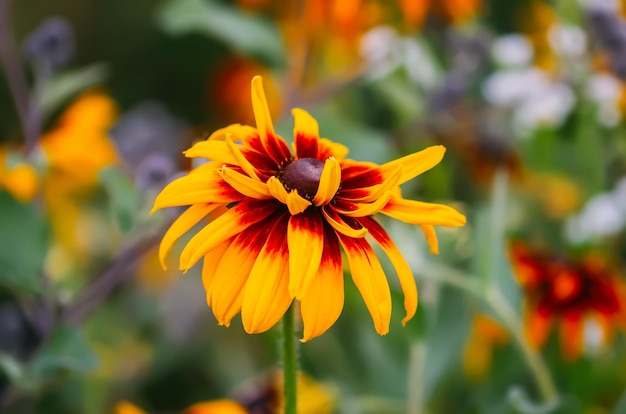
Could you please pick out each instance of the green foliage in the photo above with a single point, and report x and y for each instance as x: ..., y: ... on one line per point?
x: 23, y: 245
x: 245, y: 33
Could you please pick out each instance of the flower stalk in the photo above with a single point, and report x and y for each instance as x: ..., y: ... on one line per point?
x: 290, y: 362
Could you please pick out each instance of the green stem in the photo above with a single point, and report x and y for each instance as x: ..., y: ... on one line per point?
x: 290, y: 363
x: 507, y: 315
x: 533, y: 359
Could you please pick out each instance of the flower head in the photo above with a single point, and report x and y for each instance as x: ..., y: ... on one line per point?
x: 288, y: 217
x: 568, y: 292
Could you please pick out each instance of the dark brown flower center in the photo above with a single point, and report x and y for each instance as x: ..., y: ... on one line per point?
x: 303, y: 175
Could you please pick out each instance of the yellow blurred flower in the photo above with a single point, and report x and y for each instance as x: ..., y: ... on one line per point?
x: 79, y: 147
x: 478, y: 352
x: 125, y: 407
x: 313, y: 397
x: 535, y: 21
x: 19, y: 179
x: 558, y: 194
x: 151, y: 276
x: 216, y: 407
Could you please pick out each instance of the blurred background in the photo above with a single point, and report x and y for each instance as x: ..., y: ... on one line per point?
x: 524, y: 309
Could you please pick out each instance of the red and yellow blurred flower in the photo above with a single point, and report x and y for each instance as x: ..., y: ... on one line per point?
x: 568, y: 292
x: 288, y: 217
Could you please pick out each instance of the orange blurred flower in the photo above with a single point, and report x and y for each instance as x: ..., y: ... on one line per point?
x: 536, y: 19
x: 79, y: 147
x: 17, y: 177
x: 125, y: 407
x: 478, y: 351
x: 569, y: 292
x: 228, y: 89
x: 216, y: 407
x: 558, y: 194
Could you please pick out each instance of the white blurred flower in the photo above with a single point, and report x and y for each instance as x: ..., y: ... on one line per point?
x: 605, y: 90
x: 603, y: 215
x: 612, y: 5
x: 419, y: 63
x: 512, y: 50
x: 550, y: 107
x: 593, y: 336
x: 377, y: 44
x: 567, y: 40
x: 535, y: 98
x: 511, y: 87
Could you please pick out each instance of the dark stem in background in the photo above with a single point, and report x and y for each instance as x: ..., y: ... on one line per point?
x: 116, y: 273
x: 15, y: 76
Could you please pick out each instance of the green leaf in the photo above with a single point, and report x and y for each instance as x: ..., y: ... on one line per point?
x: 22, y: 245
x: 68, y: 84
x: 11, y: 368
x: 620, y: 407
x: 123, y: 197
x: 244, y: 32
x: 66, y: 350
x: 446, y: 338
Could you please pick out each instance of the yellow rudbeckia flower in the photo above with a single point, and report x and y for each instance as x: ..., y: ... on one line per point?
x: 289, y: 216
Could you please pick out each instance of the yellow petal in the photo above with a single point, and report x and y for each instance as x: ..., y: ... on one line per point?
x: 296, y: 203
x: 209, y: 266
x: 306, y: 134
x: 261, y: 109
x: 232, y: 222
x: 239, y: 157
x: 239, y: 132
x: 328, y: 148
x: 266, y: 294
x: 277, y: 189
x: 405, y: 276
x: 431, y: 238
x: 369, y: 278
x: 245, y: 185
x: 233, y: 270
x: 181, y: 225
x: 202, y: 186
x: 415, y: 164
x: 274, y: 146
x: 305, y: 237
x: 329, y: 182
x: 374, y: 192
x: 323, y: 301
x: 417, y: 212
x: 340, y: 225
x: 212, y: 150
x: 365, y: 209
